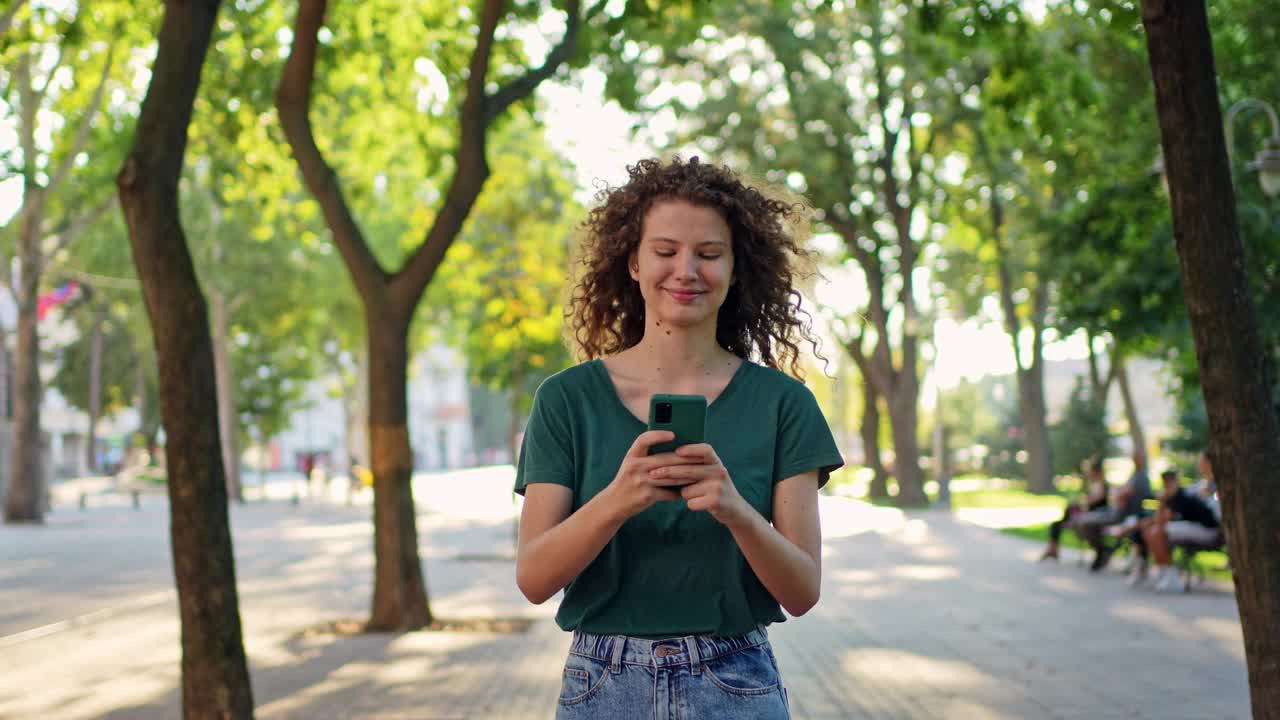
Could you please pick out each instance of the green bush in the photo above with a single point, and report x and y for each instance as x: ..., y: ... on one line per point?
x: 1081, y: 434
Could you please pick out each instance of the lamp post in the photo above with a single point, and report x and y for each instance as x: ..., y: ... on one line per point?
x: 1267, y: 162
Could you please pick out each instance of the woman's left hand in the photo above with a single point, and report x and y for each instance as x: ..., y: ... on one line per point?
x: 712, y: 490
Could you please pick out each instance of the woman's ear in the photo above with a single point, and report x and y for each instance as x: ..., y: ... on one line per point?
x: 633, y: 265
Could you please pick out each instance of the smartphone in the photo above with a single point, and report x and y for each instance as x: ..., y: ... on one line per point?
x: 684, y: 415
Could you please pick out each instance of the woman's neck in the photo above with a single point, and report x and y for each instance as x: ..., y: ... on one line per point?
x: 679, y: 354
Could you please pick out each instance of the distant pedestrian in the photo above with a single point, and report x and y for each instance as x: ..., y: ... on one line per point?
x: 673, y: 564
x: 1094, y: 501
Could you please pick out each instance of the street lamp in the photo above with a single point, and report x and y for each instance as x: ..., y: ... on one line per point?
x: 1266, y: 164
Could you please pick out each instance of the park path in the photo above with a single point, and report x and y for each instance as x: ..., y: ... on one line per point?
x: 922, y: 616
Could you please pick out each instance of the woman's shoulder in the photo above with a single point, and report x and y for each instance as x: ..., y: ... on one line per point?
x: 763, y: 377
x: 571, y: 380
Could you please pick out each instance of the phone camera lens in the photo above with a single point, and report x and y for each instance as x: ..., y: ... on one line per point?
x: 663, y: 413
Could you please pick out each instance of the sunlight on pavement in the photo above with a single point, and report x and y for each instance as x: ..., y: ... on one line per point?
x: 483, y: 493
x: 1008, y: 517
x: 913, y: 532
x: 1175, y: 626
x: 1225, y: 632
x: 359, y: 529
x: 925, y: 572
x: 845, y: 517
x: 1078, y: 584
x: 921, y: 675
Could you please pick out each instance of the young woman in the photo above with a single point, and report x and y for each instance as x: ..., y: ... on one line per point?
x: 673, y: 564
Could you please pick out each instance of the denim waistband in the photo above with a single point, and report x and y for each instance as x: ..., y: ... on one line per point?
x: 687, y: 650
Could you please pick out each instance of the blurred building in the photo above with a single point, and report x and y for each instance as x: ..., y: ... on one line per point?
x: 442, y: 432
x: 65, y: 429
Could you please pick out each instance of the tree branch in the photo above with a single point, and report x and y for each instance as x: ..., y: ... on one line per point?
x: 524, y: 86
x: 6, y: 19
x: 478, y: 111
x: 72, y: 229
x: 1003, y: 274
x: 86, y: 124
x: 293, y: 104
x: 1117, y: 362
x: 27, y: 123
x: 48, y: 81
x: 1039, y: 310
x: 471, y: 170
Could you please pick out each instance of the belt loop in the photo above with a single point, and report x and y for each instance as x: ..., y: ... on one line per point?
x: 615, y: 657
x: 695, y: 660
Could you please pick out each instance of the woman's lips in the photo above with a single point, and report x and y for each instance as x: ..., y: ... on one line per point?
x: 684, y: 296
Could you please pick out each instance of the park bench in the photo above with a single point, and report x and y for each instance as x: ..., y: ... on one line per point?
x: 1184, y: 558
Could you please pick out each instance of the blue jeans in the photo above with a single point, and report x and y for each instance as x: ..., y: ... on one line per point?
x: 698, y: 676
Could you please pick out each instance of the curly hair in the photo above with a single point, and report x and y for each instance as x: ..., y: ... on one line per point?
x: 761, y: 316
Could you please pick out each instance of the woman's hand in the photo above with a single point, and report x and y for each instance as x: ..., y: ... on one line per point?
x: 635, y: 488
x: 707, y: 484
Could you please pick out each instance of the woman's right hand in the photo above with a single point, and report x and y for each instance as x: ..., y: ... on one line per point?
x: 632, y: 489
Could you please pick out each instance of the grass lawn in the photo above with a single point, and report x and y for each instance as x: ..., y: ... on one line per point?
x: 1040, y: 533
x: 987, y: 497
x: 1004, y: 498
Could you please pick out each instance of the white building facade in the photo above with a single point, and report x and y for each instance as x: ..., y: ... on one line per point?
x: 439, y: 418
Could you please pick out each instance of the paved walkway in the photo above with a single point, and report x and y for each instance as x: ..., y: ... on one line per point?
x: 922, y: 616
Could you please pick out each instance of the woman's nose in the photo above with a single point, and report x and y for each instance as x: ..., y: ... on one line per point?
x: 688, y: 265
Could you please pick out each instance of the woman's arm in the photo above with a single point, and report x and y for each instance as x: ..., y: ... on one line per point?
x: 787, y: 555
x: 555, y: 545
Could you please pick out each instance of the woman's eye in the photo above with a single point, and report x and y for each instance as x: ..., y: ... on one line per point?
x: 666, y: 253
x: 710, y: 257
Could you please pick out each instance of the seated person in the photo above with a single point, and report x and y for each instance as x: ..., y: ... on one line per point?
x: 1095, y: 500
x: 1183, y: 518
x: 1205, y: 487
x: 1126, y: 504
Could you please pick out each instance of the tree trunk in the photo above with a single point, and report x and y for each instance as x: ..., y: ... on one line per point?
x: 345, y: 403
x: 359, y: 419
x: 140, y: 391
x: 1236, y: 375
x: 215, y: 678
x: 6, y: 384
x: 220, y: 320
x: 390, y: 298
x: 1095, y: 377
x: 1136, y: 435
x: 399, y: 592
x: 941, y: 457
x: 95, y: 387
x: 870, y: 430
x: 26, y: 474
x: 1029, y: 375
x: 905, y: 419
x: 1031, y: 407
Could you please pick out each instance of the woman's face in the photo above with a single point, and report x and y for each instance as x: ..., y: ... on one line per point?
x: 683, y: 264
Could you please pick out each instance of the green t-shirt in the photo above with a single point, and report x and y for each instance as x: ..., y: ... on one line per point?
x: 670, y: 571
